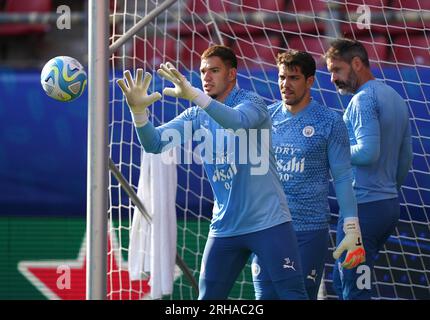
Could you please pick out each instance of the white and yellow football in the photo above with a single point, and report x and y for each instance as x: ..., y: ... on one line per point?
x: 63, y: 78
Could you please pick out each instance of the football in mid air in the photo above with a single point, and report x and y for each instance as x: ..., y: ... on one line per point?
x: 63, y: 78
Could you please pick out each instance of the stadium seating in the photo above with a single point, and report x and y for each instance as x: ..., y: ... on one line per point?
x: 14, y: 6
x: 411, y: 4
x: 274, y: 5
x: 377, y: 47
x: 414, y: 49
x: 152, y: 53
x: 418, y: 5
x: 348, y: 12
x: 202, y: 6
x: 253, y: 11
x: 306, y: 13
x: 352, y: 5
x: 307, y: 6
x: 258, y: 51
x: 192, y: 49
x: 313, y: 44
x: 376, y: 43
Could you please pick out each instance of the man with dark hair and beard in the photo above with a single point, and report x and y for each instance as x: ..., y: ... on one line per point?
x: 310, y: 142
x: 377, y: 120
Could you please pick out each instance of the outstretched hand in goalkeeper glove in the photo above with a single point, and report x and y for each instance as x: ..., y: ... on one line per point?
x: 183, y: 88
x: 136, y: 94
x: 352, y: 242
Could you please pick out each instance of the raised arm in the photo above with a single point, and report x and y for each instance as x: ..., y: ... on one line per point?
x: 136, y: 95
x: 245, y: 115
x: 153, y: 140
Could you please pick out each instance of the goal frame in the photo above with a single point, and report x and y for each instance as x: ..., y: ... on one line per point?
x: 98, y: 161
x: 97, y: 157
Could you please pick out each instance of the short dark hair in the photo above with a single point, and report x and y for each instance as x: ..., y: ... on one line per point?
x: 294, y: 58
x: 346, y: 50
x: 226, y: 54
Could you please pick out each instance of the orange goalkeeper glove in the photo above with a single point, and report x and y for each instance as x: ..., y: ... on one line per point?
x: 352, y: 242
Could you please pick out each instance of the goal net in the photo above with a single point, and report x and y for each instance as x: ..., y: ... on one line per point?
x: 396, y: 34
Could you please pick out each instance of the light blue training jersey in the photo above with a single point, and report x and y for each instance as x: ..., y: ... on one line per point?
x: 377, y: 119
x: 244, y: 201
x: 308, y: 146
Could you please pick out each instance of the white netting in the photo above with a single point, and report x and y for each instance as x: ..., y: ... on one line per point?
x: 398, y: 43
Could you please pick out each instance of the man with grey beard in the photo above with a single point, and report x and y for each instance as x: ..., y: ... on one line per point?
x: 377, y: 120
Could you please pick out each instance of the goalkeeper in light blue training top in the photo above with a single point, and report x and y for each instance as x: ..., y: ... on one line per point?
x: 381, y: 154
x: 250, y: 213
x: 310, y: 141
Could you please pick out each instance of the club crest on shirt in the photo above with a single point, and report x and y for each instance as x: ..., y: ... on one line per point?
x: 308, y: 131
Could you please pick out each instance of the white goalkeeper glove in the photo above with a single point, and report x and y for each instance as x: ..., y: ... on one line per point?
x: 136, y: 94
x: 183, y: 89
x: 352, y: 242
